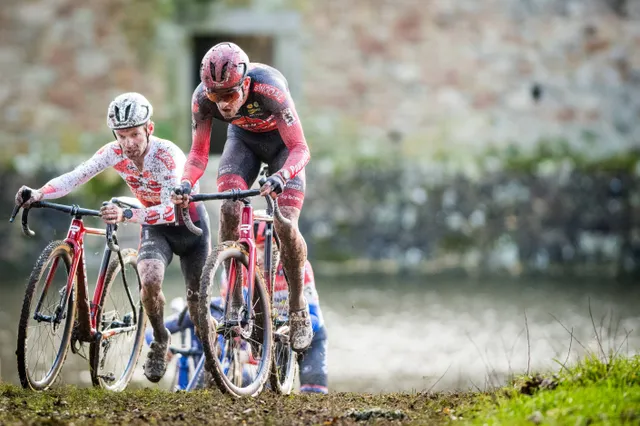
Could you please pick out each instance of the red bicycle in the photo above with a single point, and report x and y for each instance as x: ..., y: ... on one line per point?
x: 250, y: 343
x: 113, y: 323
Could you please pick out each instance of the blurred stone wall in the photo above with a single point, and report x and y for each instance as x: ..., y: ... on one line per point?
x: 551, y: 221
x: 62, y: 62
x: 446, y: 76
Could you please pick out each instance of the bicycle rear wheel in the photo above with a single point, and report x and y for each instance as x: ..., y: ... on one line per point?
x: 114, y: 357
x: 50, y: 314
x: 238, y: 356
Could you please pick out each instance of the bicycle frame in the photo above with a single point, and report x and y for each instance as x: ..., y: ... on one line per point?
x: 247, y: 238
x: 87, y: 312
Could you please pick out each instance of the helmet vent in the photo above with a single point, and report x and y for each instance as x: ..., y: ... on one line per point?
x: 213, y: 70
x: 224, y: 70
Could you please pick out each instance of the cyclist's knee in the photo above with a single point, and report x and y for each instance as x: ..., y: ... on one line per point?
x: 230, y: 212
x: 151, y: 275
x: 289, y: 231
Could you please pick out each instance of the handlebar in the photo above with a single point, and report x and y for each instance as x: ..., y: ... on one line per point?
x: 74, y: 210
x: 234, y: 195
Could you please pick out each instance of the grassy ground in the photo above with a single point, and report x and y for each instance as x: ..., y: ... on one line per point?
x: 596, y: 391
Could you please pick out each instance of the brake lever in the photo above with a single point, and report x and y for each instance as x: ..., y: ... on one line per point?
x: 26, y: 194
x: 14, y: 213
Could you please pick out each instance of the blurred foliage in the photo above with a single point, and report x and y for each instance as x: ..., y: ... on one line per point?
x: 101, y: 188
x: 165, y: 129
x: 554, y: 152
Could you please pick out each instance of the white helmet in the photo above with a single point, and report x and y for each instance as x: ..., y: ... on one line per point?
x: 128, y: 110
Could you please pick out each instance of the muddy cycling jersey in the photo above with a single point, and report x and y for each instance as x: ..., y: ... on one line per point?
x: 268, y: 107
x: 152, y: 185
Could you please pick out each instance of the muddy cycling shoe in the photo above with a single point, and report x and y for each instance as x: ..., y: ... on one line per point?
x: 156, y: 364
x: 300, y: 330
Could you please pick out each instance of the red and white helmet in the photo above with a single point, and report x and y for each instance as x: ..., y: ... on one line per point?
x: 128, y: 110
x: 223, y: 67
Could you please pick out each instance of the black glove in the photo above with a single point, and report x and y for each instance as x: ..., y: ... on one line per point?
x: 276, y: 182
x: 183, y: 189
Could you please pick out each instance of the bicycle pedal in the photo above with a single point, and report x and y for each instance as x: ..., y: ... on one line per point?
x: 108, y: 377
x: 282, y: 335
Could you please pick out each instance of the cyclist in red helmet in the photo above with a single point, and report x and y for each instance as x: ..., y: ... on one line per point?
x: 264, y: 128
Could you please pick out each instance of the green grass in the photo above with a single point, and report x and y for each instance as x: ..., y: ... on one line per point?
x: 595, y: 391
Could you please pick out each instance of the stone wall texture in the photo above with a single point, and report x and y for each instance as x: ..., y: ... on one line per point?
x: 62, y: 62
x: 460, y: 75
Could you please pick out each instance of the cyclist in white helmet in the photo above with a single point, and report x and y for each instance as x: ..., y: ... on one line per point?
x: 151, y: 167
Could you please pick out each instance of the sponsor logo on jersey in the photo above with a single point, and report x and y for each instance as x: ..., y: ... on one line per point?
x: 133, y: 182
x: 289, y: 117
x: 152, y: 217
x: 154, y: 186
x: 254, y: 108
x: 270, y: 92
x: 255, y: 124
x: 169, y: 214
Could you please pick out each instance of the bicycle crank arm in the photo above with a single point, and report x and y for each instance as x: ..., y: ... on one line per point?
x: 108, y: 334
x: 43, y: 318
x: 108, y: 377
x: 282, y: 335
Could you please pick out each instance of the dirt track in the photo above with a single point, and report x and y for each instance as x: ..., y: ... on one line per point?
x: 88, y: 406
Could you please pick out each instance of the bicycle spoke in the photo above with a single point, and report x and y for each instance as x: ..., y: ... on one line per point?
x: 116, y: 354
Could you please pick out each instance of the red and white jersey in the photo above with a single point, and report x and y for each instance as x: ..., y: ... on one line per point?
x: 161, y: 172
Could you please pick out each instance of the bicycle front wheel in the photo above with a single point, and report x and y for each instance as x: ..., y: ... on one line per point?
x: 46, y: 319
x: 120, y: 318
x: 238, y: 351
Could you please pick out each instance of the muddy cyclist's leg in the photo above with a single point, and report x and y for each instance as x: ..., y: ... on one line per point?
x: 151, y: 275
x: 154, y: 254
x: 293, y: 255
x: 293, y: 250
x: 192, y: 262
x: 239, y: 167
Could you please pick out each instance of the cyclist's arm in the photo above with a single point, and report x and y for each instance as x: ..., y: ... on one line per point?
x: 201, y: 138
x: 292, y: 134
x: 64, y: 184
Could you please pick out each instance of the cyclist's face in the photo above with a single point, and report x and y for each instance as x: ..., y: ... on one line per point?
x: 229, y: 101
x: 135, y: 141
